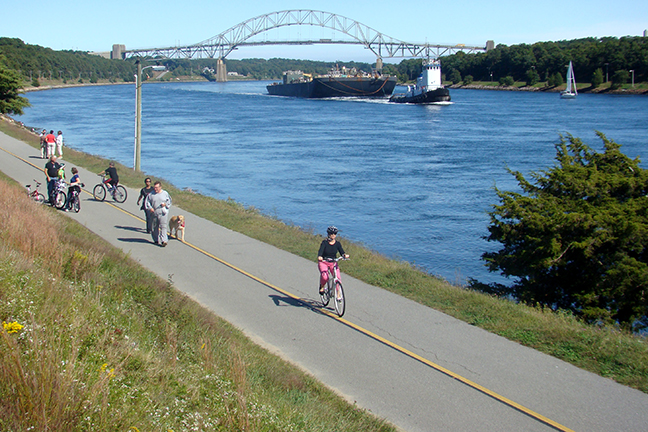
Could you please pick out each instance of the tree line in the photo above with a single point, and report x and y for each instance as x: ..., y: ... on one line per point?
x: 34, y: 62
x: 594, y: 59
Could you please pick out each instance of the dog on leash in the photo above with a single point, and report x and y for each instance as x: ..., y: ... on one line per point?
x: 177, y: 224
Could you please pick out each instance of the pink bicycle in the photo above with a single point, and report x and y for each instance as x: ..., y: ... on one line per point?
x: 333, y: 288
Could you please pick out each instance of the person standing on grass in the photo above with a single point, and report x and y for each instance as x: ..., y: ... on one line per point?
x: 51, y: 143
x: 144, y: 192
x: 59, y: 144
x: 158, y: 203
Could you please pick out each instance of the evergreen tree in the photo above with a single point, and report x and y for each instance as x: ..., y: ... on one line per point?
x: 577, y: 237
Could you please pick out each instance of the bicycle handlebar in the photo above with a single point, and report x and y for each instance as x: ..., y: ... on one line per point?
x: 336, y: 259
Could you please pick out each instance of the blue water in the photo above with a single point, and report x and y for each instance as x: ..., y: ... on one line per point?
x: 412, y: 182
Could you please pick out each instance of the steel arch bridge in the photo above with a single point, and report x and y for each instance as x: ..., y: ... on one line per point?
x: 381, y: 45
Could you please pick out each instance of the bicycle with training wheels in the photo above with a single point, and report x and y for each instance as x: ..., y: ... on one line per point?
x: 100, y: 191
x: 333, y: 288
x: 59, y: 194
x: 75, y: 200
x: 34, y: 194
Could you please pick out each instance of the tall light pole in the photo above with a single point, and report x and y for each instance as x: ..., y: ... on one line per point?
x: 606, y: 72
x: 138, y: 112
x: 632, y: 70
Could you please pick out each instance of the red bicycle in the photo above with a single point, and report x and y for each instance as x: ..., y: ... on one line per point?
x: 34, y: 194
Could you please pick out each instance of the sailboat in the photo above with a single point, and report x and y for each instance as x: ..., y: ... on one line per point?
x: 570, y: 92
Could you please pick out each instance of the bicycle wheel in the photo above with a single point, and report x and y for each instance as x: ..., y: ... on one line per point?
x: 326, y: 297
x: 99, y: 192
x: 39, y: 198
x: 120, y: 194
x: 60, y: 200
x: 340, y: 301
x: 76, y: 205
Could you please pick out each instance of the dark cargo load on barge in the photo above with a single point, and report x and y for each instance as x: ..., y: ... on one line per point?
x: 299, y: 84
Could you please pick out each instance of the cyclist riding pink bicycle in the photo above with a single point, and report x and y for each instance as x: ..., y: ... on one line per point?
x: 326, y: 256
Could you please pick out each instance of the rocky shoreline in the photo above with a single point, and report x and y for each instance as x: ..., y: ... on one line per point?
x: 550, y: 89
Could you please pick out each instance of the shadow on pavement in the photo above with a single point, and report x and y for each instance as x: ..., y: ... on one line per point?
x: 130, y: 228
x: 134, y: 240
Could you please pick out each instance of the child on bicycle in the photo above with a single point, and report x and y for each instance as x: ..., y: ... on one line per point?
x: 113, y: 178
x: 75, y: 186
x: 326, y: 256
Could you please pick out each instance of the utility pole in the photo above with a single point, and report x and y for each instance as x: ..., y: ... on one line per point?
x: 138, y: 112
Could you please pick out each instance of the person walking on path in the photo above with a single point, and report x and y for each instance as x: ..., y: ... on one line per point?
x: 51, y: 143
x: 144, y: 192
x: 59, y: 144
x: 158, y: 203
x: 43, y: 144
x: 52, y: 169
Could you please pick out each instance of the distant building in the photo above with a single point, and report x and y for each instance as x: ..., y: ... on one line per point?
x: 117, y: 52
x: 490, y: 45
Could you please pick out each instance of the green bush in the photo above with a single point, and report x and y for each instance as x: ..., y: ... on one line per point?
x: 506, y: 81
x: 619, y: 78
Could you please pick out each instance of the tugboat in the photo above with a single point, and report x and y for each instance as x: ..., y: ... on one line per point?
x: 344, y: 83
x: 428, y: 88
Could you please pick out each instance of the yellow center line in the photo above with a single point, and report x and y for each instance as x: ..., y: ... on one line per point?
x: 364, y: 331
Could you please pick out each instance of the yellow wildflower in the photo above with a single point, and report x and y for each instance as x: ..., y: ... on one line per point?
x: 13, y: 327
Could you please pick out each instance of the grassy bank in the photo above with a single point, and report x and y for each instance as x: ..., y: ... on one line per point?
x: 605, y: 351
x: 92, y: 341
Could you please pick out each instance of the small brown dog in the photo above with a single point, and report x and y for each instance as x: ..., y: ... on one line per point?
x: 177, y: 223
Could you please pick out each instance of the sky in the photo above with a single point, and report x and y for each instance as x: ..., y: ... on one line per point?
x: 92, y: 26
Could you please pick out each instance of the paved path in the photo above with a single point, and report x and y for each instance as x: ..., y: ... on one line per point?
x: 419, y: 368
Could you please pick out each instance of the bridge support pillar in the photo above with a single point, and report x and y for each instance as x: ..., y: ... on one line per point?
x: 221, y: 71
x: 379, y: 64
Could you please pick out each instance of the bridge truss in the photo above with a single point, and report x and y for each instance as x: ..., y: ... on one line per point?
x: 381, y: 45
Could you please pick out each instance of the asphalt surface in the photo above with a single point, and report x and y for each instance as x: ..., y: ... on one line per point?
x: 416, y: 367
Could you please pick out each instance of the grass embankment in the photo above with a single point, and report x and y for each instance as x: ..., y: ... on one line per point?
x: 92, y: 341
x: 604, y: 351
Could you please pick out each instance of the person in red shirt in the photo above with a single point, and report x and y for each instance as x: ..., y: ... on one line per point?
x: 50, y: 139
